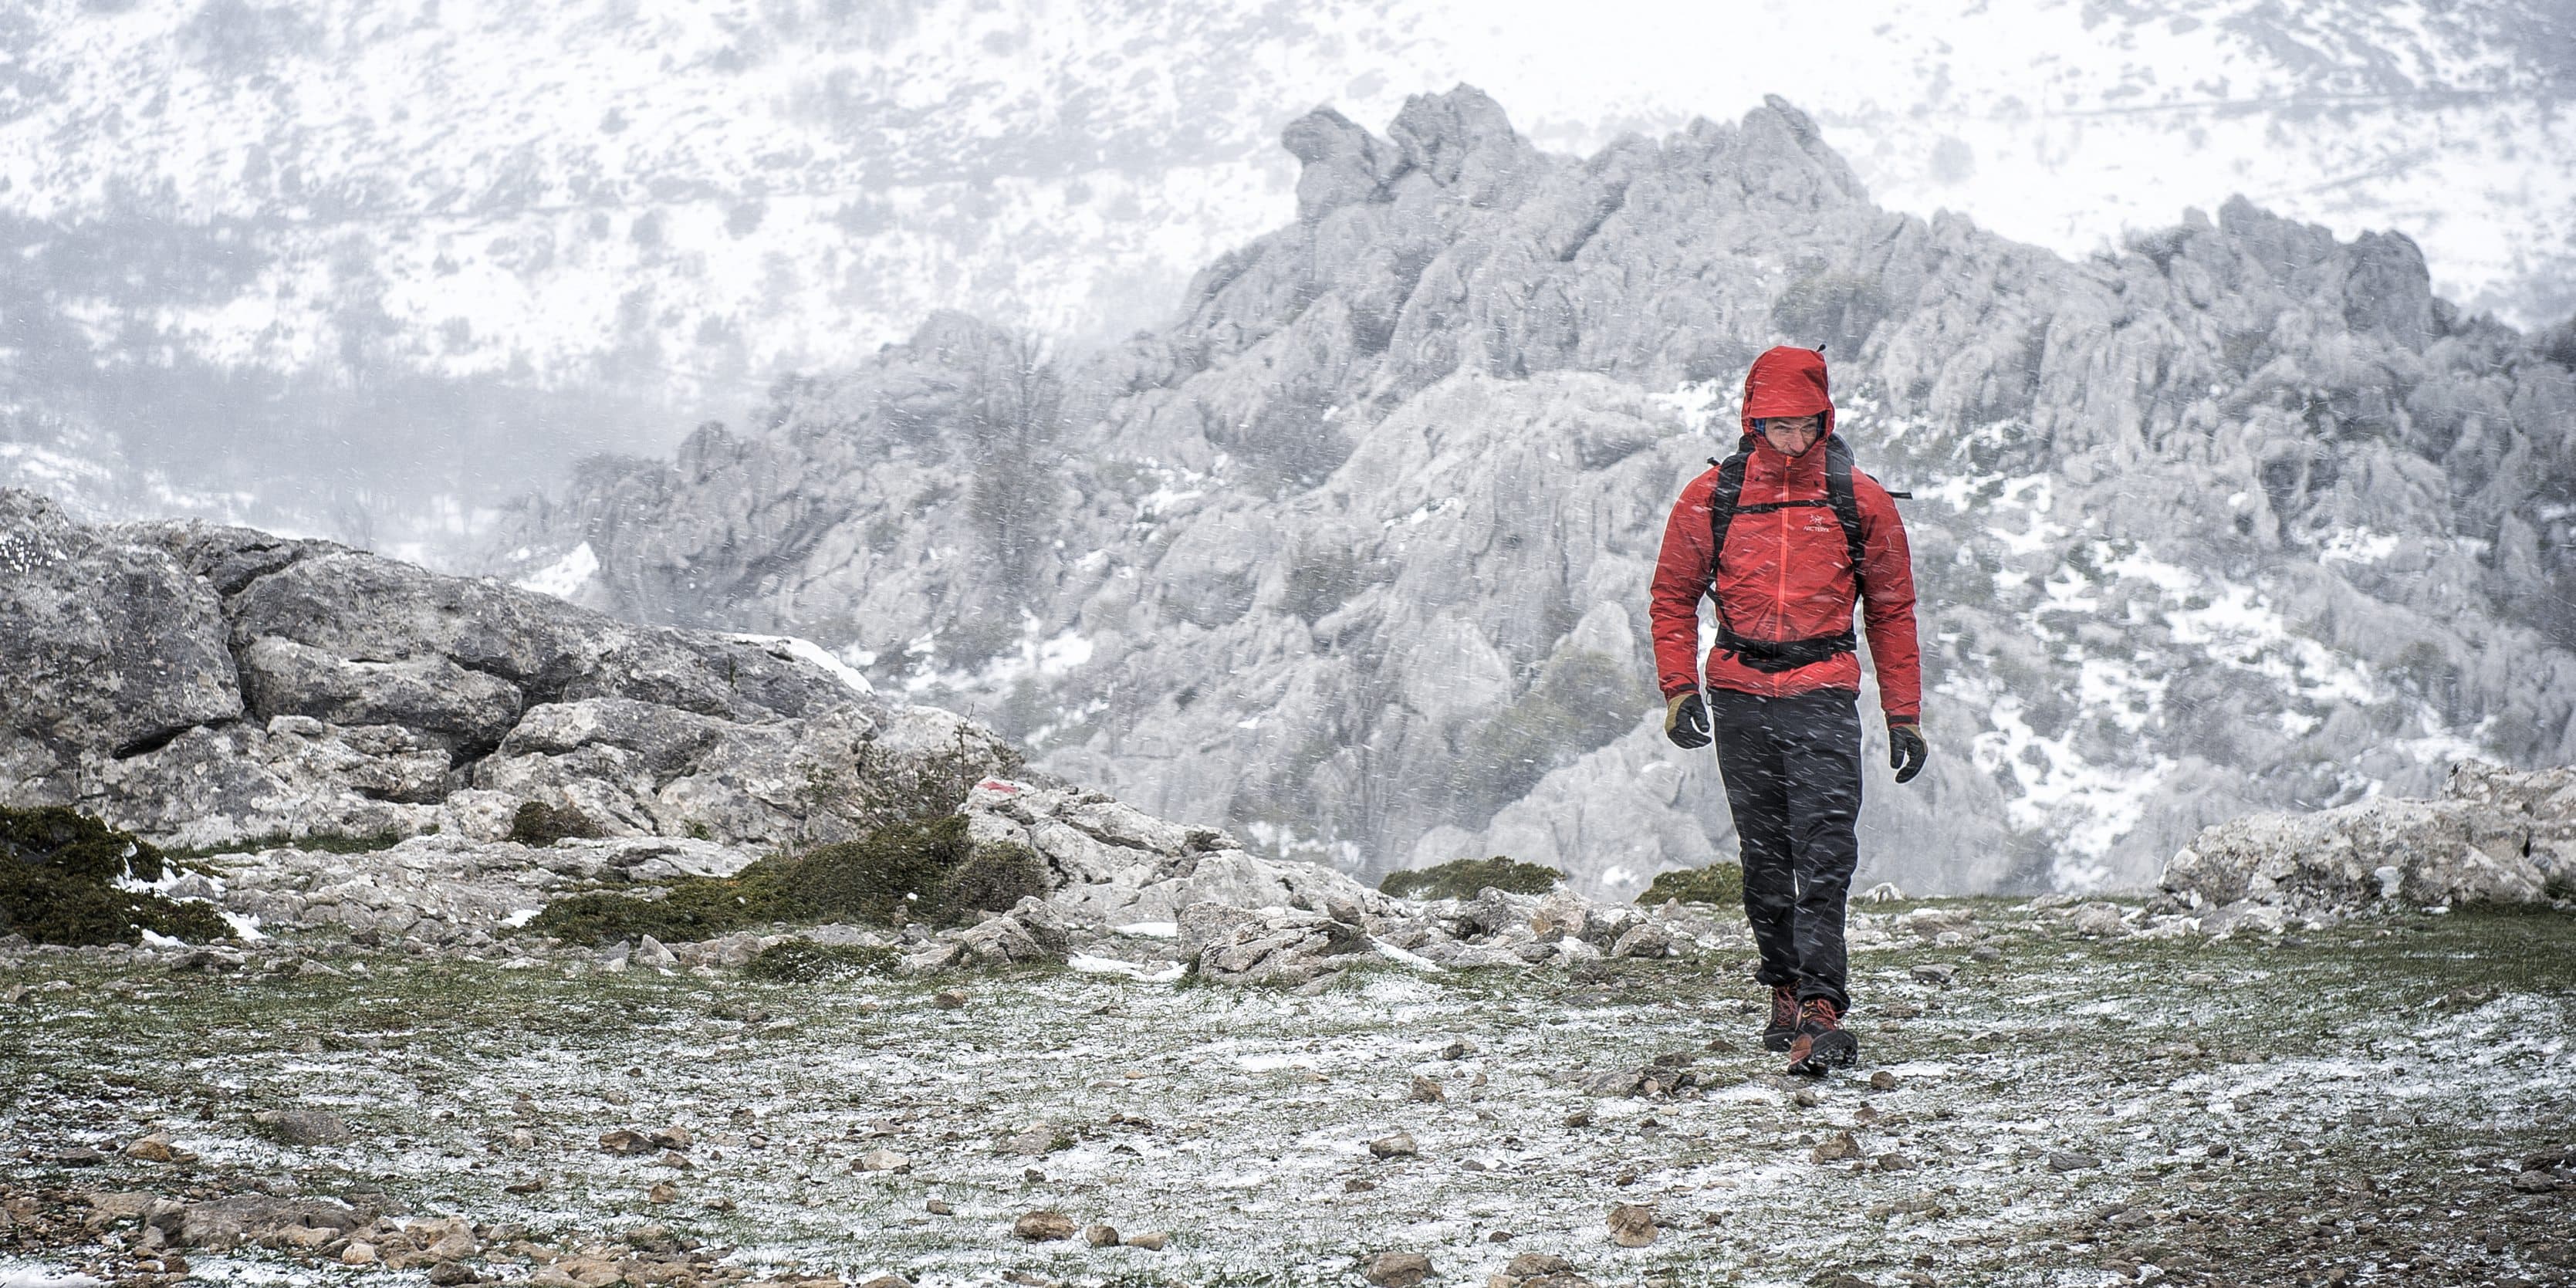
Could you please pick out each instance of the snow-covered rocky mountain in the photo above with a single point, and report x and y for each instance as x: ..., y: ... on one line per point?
x: 361, y: 269
x: 1352, y: 558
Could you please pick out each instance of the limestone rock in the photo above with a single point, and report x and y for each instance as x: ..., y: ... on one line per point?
x: 1395, y: 1269
x: 203, y: 685
x: 2495, y: 836
x: 1632, y: 1225
x: 1043, y: 1226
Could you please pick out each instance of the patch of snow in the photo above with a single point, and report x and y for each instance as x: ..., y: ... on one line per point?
x: 1150, y: 929
x: 2238, y: 626
x: 25, y: 1275
x: 1415, y: 961
x: 565, y: 576
x: 1091, y: 965
x: 2358, y: 545
x: 810, y: 653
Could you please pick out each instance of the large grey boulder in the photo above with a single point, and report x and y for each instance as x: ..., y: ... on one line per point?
x: 2495, y: 835
x: 209, y: 686
x: 110, y: 648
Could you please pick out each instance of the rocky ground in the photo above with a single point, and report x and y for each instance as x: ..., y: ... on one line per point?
x: 2046, y: 1099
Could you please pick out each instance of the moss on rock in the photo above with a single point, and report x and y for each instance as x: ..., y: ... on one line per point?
x: 539, y: 824
x: 59, y: 870
x: 928, y: 870
x: 1463, y: 878
x: 802, y: 961
x: 1718, y: 883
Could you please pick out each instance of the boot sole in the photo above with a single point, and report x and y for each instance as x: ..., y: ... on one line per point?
x: 1777, y: 1041
x: 1832, y: 1050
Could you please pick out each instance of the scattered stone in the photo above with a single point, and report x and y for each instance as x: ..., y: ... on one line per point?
x: 530, y: 1185
x: 887, y: 1281
x: 1808, y: 1098
x: 447, y: 1274
x: 884, y: 1160
x: 1632, y: 1225
x: 358, y: 1254
x: 1612, y: 1084
x: 625, y: 1140
x: 1396, y: 1269
x: 304, y: 1126
x: 1032, y: 1141
x: 1356, y: 1186
x: 1043, y: 1226
x: 1399, y: 1145
x: 1579, y: 1118
x: 1894, y: 1162
x: 1459, y: 1050
x: 1934, y: 973
x: 719, y: 1203
x: 948, y: 999
x: 2068, y: 1161
x: 938, y: 1207
x: 1882, y: 1081
x: 651, y: 953
x: 1837, y: 1148
x: 662, y: 1192
x: 1531, y: 1265
x: 1985, y: 953
x: 156, y: 1148
x: 1100, y: 1236
x: 674, y: 1158
x: 1645, y: 939
x: 2099, y: 920
x: 1150, y: 1241
x: 1428, y: 1091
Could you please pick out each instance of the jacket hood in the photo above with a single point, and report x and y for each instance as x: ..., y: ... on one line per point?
x: 1787, y: 382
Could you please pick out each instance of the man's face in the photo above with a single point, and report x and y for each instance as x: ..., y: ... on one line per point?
x: 1793, y: 435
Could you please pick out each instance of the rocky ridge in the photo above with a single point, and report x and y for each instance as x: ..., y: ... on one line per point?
x: 361, y: 747
x: 1351, y: 557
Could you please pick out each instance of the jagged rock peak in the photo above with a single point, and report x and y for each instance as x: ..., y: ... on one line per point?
x: 1344, y: 163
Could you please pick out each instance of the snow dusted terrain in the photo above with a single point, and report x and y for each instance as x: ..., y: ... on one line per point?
x: 524, y: 232
x: 2383, y: 1101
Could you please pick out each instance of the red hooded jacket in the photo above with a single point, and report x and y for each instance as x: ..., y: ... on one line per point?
x: 1787, y: 573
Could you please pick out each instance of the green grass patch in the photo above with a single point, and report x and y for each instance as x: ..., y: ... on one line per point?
x: 58, y: 874
x: 319, y: 843
x: 802, y: 961
x: 1718, y: 883
x: 539, y: 824
x: 918, y: 871
x: 1465, y: 878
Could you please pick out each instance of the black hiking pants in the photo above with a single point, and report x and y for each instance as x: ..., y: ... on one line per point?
x: 1792, y: 771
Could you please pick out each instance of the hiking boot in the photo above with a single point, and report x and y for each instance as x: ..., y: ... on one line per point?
x: 1783, y: 1027
x: 1821, y: 1043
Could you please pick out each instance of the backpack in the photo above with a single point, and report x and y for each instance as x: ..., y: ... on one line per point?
x: 1774, y: 656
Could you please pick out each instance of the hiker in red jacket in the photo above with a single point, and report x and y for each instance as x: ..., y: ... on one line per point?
x: 1804, y: 537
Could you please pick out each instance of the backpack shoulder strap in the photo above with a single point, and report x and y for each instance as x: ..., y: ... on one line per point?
x: 1722, y: 501
x: 1838, y: 492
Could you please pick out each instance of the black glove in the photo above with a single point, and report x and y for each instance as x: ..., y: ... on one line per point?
x: 1686, y: 720
x: 1906, y: 750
